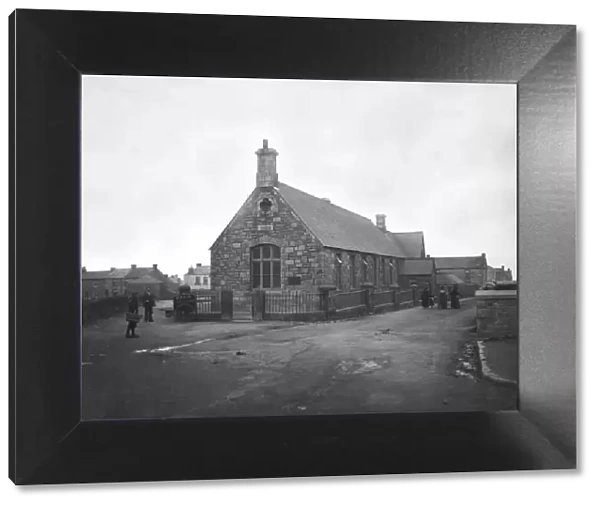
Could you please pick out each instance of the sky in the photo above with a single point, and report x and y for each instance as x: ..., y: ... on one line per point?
x: 167, y: 162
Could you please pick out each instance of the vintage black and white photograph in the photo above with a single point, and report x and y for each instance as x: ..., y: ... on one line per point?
x: 291, y: 247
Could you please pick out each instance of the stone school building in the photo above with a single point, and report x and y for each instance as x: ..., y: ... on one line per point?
x: 285, y: 239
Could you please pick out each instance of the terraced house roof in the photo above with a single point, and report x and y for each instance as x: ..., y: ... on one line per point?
x: 461, y: 262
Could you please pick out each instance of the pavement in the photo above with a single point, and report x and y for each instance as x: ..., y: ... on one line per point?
x: 411, y: 360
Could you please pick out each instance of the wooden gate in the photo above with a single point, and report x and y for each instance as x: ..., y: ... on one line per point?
x: 242, y: 306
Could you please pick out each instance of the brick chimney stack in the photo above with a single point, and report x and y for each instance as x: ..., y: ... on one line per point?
x: 155, y: 266
x: 266, y: 173
x: 198, y: 265
x: 380, y: 222
x: 133, y: 266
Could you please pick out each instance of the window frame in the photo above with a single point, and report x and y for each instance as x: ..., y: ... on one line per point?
x: 339, y: 262
x: 273, y: 260
x: 352, y: 259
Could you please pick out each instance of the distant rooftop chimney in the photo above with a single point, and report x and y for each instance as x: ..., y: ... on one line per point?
x: 483, y: 255
x: 266, y: 173
x: 428, y: 256
x: 113, y: 269
x: 503, y: 267
x: 198, y: 265
x: 133, y: 266
x: 83, y: 269
x: 380, y: 221
x: 326, y: 199
x: 155, y: 266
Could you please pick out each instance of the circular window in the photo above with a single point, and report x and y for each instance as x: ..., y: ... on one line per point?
x: 265, y: 205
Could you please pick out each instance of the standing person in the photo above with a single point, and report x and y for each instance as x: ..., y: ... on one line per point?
x: 132, y: 307
x: 443, y: 300
x: 425, y: 298
x: 455, y: 298
x: 148, y: 306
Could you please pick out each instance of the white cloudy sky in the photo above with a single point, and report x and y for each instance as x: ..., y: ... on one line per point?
x: 168, y: 161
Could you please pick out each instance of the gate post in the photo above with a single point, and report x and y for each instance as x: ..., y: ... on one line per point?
x: 396, y: 290
x: 227, y: 305
x: 368, y: 288
x: 258, y: 304
x: 327, y: 301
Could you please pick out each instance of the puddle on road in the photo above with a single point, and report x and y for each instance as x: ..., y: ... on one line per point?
x: 361, y: 366
x: 171, y: 348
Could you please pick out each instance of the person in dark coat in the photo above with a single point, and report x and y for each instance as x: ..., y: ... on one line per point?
x: 132, y: 307
x: 425, y: 298
x: 149, y: 304
x: 455, y: 298
x: 443, y: 299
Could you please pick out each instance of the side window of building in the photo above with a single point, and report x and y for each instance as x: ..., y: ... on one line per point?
x: 197, y: 280
x: 338, y: 270
x: 375, y: 271
x: 352, y: 271
x: 364, y: 269
x: 205, y: 280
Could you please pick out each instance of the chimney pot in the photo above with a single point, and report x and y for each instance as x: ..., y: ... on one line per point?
x: 428, y: 256
x: 83, y: 269
x: 483, y: 255
x: 380, y: 221
x: 155, y: 266
x: 266, y: 173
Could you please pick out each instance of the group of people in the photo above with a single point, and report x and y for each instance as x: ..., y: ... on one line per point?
x: 133, y: 308
x: 428, y: 299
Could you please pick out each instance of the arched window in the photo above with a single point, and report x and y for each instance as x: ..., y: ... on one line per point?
x: 265, y: 266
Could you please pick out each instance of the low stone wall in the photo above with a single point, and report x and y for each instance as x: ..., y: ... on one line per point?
x: 497, y: 315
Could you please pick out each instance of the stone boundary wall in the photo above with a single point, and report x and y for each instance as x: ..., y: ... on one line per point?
x: 497, y: 314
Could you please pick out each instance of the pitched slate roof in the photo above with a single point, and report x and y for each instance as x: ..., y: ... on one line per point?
x: 460, y: 262
x: 336, y: 227
x: 411, y: 243
x: 118, y: 273
x: 448, y: 279
x: 146, y: 280
x: 94, y: 274
x: 417, y: 267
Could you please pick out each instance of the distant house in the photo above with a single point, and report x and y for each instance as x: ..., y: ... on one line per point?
x: 491, y: 274
x: 116, y: 281
x: 198, y: 278
x: 94, y: 284
x: 503, y: 275
x: 471, y: 271
x: 417, y: 273
x: 122, y: 281
x: 176, y: 279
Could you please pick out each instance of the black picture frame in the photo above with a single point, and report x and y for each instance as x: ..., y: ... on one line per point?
x: 51, y: 50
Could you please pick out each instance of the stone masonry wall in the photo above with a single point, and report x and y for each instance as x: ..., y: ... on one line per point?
x: 301, y: 254
x: 497, y: 315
